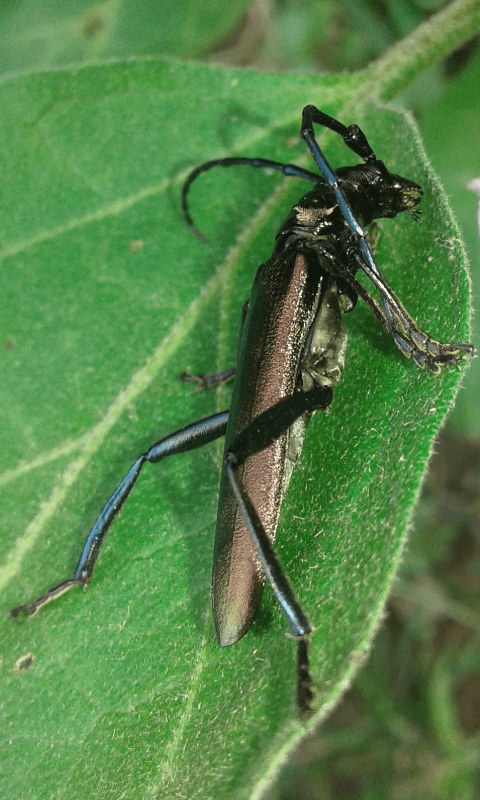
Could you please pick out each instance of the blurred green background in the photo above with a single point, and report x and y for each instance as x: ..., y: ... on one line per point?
x: 410, y: 726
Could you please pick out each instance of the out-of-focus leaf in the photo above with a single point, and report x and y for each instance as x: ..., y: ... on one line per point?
x: 451, y: 133
x: 36, y: 34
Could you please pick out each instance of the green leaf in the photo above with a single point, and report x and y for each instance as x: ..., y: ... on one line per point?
x: 106, y: 298
x: 39, y: 35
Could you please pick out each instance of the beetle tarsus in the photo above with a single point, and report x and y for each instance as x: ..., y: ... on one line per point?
x: 209, y: 379
x: 29, y: 609
x: 305, y: 693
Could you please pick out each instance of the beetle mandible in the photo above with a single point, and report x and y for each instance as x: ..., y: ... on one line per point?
x: 291, y: 353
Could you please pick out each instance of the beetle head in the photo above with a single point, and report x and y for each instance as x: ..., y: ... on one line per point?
x: 404, y: 195
x: 396, y: 194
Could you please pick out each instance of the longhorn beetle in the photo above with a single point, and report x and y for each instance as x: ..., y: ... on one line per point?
x: 291, y: 353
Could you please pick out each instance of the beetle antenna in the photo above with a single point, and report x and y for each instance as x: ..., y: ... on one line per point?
x: 290, y: 170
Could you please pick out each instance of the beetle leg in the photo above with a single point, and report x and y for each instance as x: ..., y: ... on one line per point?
x: 424, y: 351
x: 206, y: 381
x: 410, y: 340
x: 304, y: 680
x: 264, y: 429
x: 353, y: 136
x: 214, y: 378
x: 188, y: 438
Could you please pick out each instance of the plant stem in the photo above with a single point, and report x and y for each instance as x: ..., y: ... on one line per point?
x: 432, y: 40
